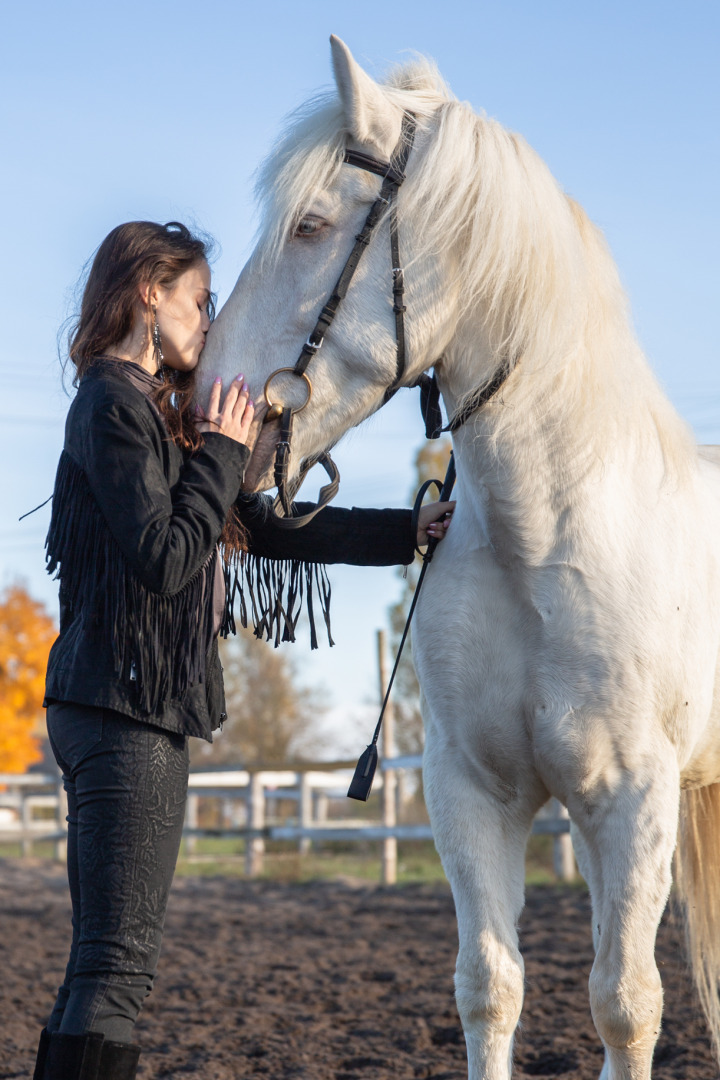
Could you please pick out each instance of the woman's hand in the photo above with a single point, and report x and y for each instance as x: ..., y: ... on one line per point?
x: 433, y: 521
x: 234, y: 417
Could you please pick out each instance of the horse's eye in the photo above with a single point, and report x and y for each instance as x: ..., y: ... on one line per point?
x: 308, y: 227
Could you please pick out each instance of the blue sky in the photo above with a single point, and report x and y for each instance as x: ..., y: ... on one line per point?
x: 115, y: 112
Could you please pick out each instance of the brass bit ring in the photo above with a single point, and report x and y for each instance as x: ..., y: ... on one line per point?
x: 274, y: 411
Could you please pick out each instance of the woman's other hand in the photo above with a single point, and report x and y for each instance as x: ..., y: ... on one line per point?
x: 232, y: 417
x: 433, y: 521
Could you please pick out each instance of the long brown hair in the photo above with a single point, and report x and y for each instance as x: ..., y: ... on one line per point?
x: 132, y: 255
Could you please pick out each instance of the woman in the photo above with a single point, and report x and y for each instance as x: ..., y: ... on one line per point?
x: 147, y: 485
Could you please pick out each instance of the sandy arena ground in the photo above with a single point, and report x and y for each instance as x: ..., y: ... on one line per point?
x: 329, y: 982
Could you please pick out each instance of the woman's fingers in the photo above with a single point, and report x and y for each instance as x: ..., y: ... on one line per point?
x: 233, y: 397
x: 434, y: 512
x: 234, y: 416
x: 241, y: 396
x: 214, y: 401
x: 245, y: 417
x: 434, y: 520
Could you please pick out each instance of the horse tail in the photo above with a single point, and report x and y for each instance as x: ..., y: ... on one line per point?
x: 697, y: 877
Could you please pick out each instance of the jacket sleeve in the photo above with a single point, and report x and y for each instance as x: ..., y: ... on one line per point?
x: 166, y: 535
x: 359, y: 537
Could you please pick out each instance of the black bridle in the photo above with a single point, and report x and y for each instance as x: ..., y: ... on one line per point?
x: 393, y: 174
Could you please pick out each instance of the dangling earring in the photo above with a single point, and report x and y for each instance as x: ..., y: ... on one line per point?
x: 157, y: 343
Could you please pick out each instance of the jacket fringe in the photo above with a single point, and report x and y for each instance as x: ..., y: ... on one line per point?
x: 159, y: 643
x: 270, y: 594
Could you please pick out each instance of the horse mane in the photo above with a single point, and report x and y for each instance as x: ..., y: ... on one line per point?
x: 528, y: 262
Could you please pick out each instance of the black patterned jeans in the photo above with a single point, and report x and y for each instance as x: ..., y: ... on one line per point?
x: 126, y: 785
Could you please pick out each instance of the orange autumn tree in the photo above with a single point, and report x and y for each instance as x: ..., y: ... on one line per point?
x: 26, y: 634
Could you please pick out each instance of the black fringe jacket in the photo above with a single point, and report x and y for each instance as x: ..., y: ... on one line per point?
x: 133, y: 539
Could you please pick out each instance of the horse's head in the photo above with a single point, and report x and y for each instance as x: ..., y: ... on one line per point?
x: 314, y: 205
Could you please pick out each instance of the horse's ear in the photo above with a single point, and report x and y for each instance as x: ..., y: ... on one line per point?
x: 372, y: 120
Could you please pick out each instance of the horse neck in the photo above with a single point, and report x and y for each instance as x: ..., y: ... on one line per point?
x: 552, y: 436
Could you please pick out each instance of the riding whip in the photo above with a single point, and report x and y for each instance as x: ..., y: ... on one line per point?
x: 361, y: 783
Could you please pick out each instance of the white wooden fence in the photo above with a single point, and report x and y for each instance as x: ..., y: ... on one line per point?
x: 249, y: 798
x: 21, y: 796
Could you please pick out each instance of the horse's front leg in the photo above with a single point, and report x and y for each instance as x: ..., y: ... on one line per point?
x: 629, y: 837
x: 481, y: 832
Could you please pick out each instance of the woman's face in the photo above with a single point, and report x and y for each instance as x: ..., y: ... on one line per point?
x: 182, y: 317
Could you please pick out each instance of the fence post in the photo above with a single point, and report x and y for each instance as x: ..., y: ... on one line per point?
x: 389, y: 860
x: 305, y: 815
x: 563, y: 854
x: 321, y: 807
x: 60, y: 847
x: 191, y: 821
x: 26, y: 844
x: 400, y: 792
x: 255, y: 845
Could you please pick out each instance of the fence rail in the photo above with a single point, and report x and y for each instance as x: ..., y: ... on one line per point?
x: 249, y: 797
x: 20, y: 797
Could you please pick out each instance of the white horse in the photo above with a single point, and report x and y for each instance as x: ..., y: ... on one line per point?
x: 567, y: 637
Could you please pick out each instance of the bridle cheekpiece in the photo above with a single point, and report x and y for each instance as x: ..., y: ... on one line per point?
x: 393, y: 174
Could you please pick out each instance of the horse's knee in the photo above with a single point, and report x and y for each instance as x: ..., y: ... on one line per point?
x: 627, y: 1011
x: 489, y: 991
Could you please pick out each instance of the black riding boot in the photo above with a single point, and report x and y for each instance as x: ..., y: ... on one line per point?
x: 118, y: 1061
x: 74, y: 1057
x: 88, y: 1057
x: 41, y: 1054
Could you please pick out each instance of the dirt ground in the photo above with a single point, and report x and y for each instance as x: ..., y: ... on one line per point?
x: 329, y: 981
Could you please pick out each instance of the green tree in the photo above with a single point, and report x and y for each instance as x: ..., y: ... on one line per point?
x: 431, y: 462
x: 272, y: 718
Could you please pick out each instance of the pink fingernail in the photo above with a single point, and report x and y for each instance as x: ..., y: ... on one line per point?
x: 239, y: 378
x: 244, y: 387
x: 218, y: 379
x: 251, y: 404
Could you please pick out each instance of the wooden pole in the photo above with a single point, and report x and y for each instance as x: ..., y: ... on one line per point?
x: 389, y: 860
x: 321, y: 807
x: 191, y: 821
x: 27, y: 819
x: 255, y: 845
x: 306, y: 805
x: 62, y: 809
x: 563, y: 854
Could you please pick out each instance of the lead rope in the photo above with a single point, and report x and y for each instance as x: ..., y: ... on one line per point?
x: 361, y: 783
